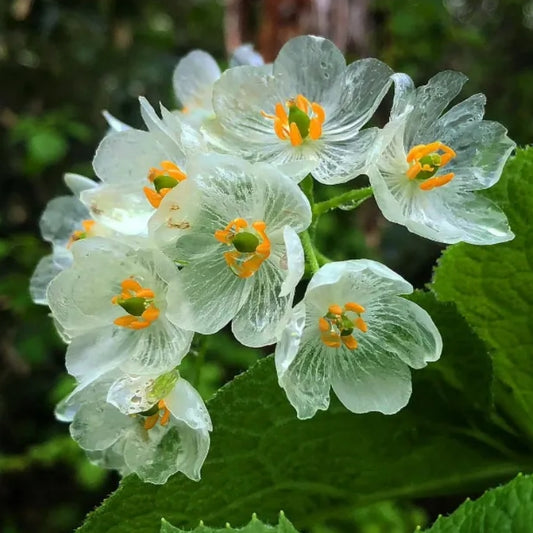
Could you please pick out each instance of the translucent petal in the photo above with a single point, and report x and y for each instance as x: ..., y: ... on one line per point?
x: 125, y: 158
x: 114, y: 123
x: 360, y: 280
x: 78, y: 183
x: 482, y: 149
x: 367, y: 82
x: 257, y: 322
x: 207, y: 296
x: 62, y: 216
x: 193, y: 79
x: 170, y: 449
x: 404, y: 94
x: 293, y: 261
x: 93, y: 354
x: 370, y: 379
x: 431, y: 100
x: 122, y: 208
x: 402, y: 328
x: 470, y: 110
x: 98, y: 426
x: 314, y: 67
x: 343, y: 160
x: 231, y: 187
x: 45, y: 271
x: 245, y: 55
x: 304, y: 366
x: 187, y: 405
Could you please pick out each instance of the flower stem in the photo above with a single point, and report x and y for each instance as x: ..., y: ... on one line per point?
x: 311, y: 261
x: 348, y: 200
x: 307, y: 186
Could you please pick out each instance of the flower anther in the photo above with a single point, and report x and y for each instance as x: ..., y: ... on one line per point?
x: 425, y: 160
x: 137, y: 301
x: 251, y: 246
x: 163, y: 179
x: 87, y: 226
x: 336, y: 327
x: 303, y: 120
x: 154, y: 415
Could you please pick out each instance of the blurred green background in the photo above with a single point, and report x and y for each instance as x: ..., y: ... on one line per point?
x: 62, y: 62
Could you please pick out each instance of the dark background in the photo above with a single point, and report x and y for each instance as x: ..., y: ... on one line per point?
x: 62, y: 62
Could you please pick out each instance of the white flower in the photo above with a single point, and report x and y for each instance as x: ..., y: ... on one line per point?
x: 111, y: 303
x: 138, y: 168
x: 236, y: 237
x: 431, y: 166
x: 310, y: 107
x: 64, y: 221
x: 353, y: 333
x: 195, y: 75
x: 154, y: 426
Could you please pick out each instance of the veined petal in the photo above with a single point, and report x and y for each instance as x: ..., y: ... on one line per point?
x: 304, y: 367
x: 431, y: 100
x: 367, y: 82
x: 207, y: 296
x: 404, y: 94
x: 403, y: 329
x: 257, y: 322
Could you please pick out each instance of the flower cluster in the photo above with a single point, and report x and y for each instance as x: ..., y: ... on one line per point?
x: 201, y: 220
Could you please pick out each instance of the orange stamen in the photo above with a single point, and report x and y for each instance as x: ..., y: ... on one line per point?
x: 244, y: 264
x: 436, y: 161
x: 352, y: 306
x: 133, y: 289
x: 169, y: 170
x: 290, y: 131
x: 151, y: 421
x: 335, y: 322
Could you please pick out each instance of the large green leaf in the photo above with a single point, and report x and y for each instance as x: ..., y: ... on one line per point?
x: 262, y: 458
x: 492, y: 287
x: 507, y: 509
x: 254, y: 526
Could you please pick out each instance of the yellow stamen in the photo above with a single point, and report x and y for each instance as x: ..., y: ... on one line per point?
x: 359, y: 323
x: 356, y: 308
x: 152, y: 420
x: 349, y: 342
x: 146, y: 313
x: 287, y: 130
x: 335, y: 309
x: 245, y: 264
x: 424, y: 162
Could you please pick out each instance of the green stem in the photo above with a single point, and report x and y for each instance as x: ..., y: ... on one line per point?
x: 307, y: 186
x: 352, y: 198
x: 321, y: 258
x: 311, y: 261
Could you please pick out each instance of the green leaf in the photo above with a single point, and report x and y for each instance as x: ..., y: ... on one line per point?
x: 507, y: 509
x: 492, y: 287
x: 263, y: 458
x: 254, y: 526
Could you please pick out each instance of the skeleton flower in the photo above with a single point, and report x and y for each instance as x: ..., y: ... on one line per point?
x: 138, y: 168
x: 195, y: 75
x: 353, y: 333
x: 64, y: 221
x: 241, y: 253
x: 112, y: 305
x: 154, y: 426
x: 309, y: 107
x: 430, y: 169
